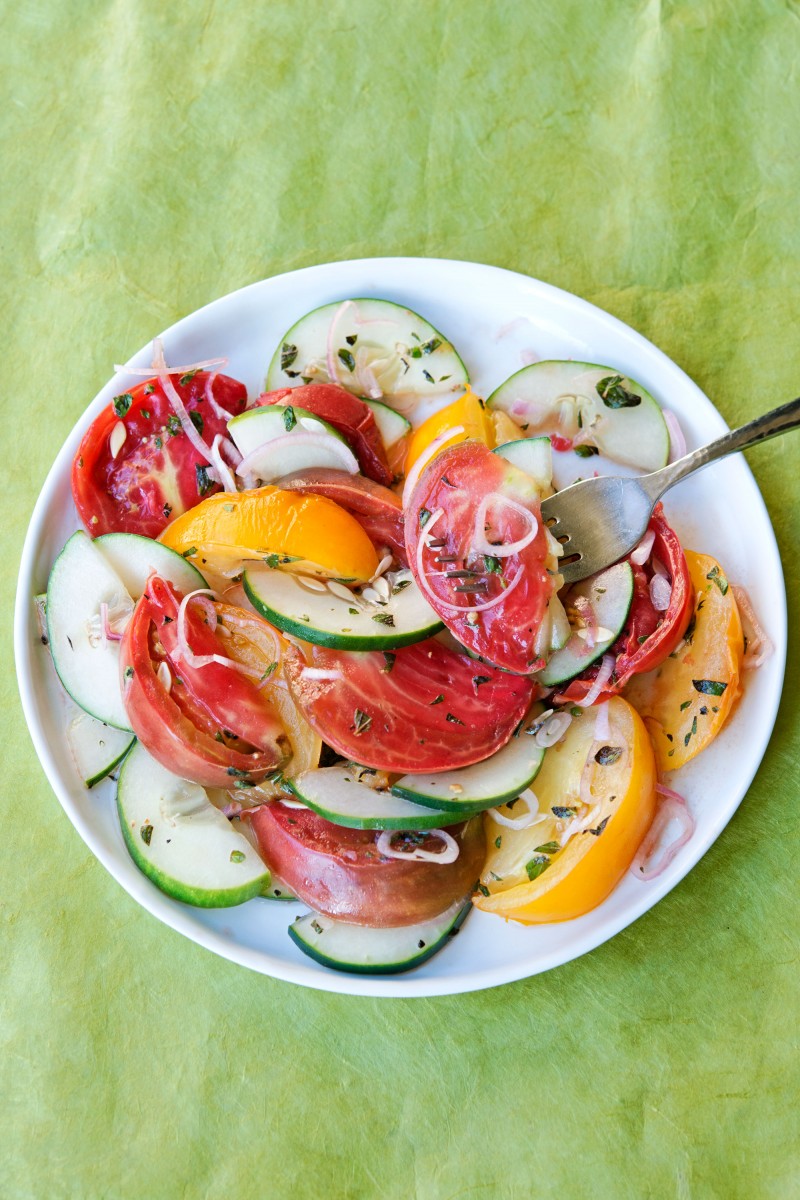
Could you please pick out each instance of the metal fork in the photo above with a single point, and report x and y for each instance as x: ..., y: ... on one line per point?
x: 599, y: 521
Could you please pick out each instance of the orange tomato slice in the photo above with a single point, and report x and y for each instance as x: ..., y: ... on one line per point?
x: 312, y: 530
x: 687, y: 700
x: 468, y: 411
x: 529, y: 876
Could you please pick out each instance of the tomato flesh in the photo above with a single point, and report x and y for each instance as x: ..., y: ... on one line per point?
x: 340, y: 872
x: 419, y: 708
x: 649, y: 636
x: 348, y: 415
x: 156, y: 473
x: 377, y: 509
x: 209, y: 724
x: 443, y: 510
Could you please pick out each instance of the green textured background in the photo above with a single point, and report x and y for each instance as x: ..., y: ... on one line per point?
x: 645, y: 155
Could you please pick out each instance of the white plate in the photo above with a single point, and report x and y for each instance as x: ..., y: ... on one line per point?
x: 493, y: 317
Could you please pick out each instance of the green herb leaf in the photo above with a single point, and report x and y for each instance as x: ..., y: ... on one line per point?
x: 197, y: 420
x: 585, y: 451
x: 607, y: 755
x: 709, y: 687
x: 204, y: 483
x: 158, y: 442
x: 289, y: 419
x: 273, y: 666
x: 439, y: 699
x: 122, y: 403
x: 428, y: 376
x: 716, y: 576
x: 145, y: 412
x: 424, y: 517
x: 237, y: 856
x: 347, y: 358
x: 361, y: 722
x: 539, y: 863
x: 351, y: 339
x: 188, y: 553
x: 288, y: 355
x: 562, y: 813
x: 129, y: 672
x: 146, y: 833
x: 389, y: 659
x: 187, y: 378
x: 149, y: 388
x: 492, y: 564
x: 599, y: 829
x: 498, y: 841
x: 686, y: 704
x: 173, y: 425
x: 548, y: 848
x: 482, y: 888
x: 479, y: 679
x: 383, y: 618
x: 614, y: 395
x: 453, y: 720
x: 167, y: 509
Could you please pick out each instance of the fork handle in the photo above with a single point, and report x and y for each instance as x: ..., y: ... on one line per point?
x: 769, y: 425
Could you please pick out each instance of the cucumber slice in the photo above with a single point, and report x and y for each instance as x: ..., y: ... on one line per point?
x: 406, y: 357
x: 134, y: 558
x: 97, y: 749
x: 336, y: 794
x: 533, y: 456
x: 80, y: 581
x: 391, y: 425
x: 366, y: 951
x: 276, y: 440
x: 610, y: 594
x: 565, y: 394
x: 184, y: 844
x: 329, y: 620
x: 486, y: 784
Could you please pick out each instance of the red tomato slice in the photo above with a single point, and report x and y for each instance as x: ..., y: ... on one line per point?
x: 211, y: 725
x: 348, y: 415
x: 377, y: 509
x: 340, y: 871
x: 649, y: 636
x: 440, y: 532
x: 157, y: 473
x: 419, y: 708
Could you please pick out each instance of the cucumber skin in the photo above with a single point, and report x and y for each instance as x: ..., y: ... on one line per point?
x: 593, y: 655
x: 195, y: 897
x: 428, y: 819
x: 112, y: 766
x: 469, y: 808
x: 336, y: 641
x: 385, y: 968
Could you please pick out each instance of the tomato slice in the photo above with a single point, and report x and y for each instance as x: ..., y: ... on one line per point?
x: 340, y: 871
x: 209, y: 724
x: 156, y: 473
x: 458, y: 578
x: 649, y: 636
x: 377, y: 509
x: 419, y: 708
x: 349, y: 415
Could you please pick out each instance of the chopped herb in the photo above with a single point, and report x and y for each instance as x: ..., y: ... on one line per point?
x: 361, y: 722
x: 167, y: 509
x: 562, y: 813
x: 158, y: 442
x: 288, y: 355
x: 498, y: 841
x: 714, y: 708
x: 228, y: 507
x: 204, y: 482
x: 689, y: 635
x: 704, y: 710
x: 146, y: 414
x: 641, y: 640
x: 447, y: 482
x: 599, y: 829
x: 347, y: 358
x: 237, y: 771
x: 439, y: 699
x: 482, y: 888
x: 351, y: 339
x: 273, y: 666
x: 424, y: 517
x: 173, y: 425
x: 383, y: 618
x: 585, y: 451
x: 443, y: 378
x: 389, y: 659
x: 188, y: 553
x: 80, y: 460
x: 129, y: 672
x: 273, y: 561
x: 428, y: 376
x: 686, y: 704
x: 454, y: 720
x: 149, y: 388
x: 709, y: 687
x: 187, y: 378
x: 607, y: 755
x: 576, y: 712
x: 691, y: 732
x: 399, y: 587
x: 539, y: 863
x: 353, y: 612
x: 492, y: 564
x: 716, y: 576
x: 122, y: 403
x: 548, y: 848
x: 426, y: 348
x: 315, y: 925
x: 146, y: 833
x: 614, y: 395
x: 289, y: 419
x: 237, y: 856
x: 479, y: 679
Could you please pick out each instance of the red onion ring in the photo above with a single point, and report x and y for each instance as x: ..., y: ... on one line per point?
x: 672, y: 808
x: 677, y: 442
x: 479, y: 543
x: 427, y: 454
x: 760, y: 647
x: 603, y: 676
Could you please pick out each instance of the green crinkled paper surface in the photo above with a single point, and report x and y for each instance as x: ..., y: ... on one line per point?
x: 642, y: 154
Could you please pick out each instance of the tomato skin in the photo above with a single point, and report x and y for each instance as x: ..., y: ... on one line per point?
x: 349, y: 415
x: 377, y: 509
x: 405, y: 726
x: 183, y: 727
x: 339, y: 871
x: 145, y: 486
x: 662, y: 632
x: 456, y: 481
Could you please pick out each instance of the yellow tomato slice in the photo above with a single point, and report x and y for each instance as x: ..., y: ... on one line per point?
x: 468, y: 411
x: 529, y: 875
x: 687, y: 700
x: 250, y: 639
x: 313, y: 530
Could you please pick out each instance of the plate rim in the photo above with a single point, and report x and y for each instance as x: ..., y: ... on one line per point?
x: 170, y: 912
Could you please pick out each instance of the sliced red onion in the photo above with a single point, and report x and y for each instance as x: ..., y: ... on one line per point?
x: 162, y: 371
x: 224, y: 474
x: 109, y: 634
x: 760, y: 645
x: 418, y: 854
x: 602, y: 724
x: 527, y: 819
x: 365, y: 375
x: 187, y: 655
x: 603, y: 676
x: 301, y: 437
x: 552, y: 730
x: 427, y: 454
x: 207, y: 605
x: 642, y: 552
x: 458, y: 608
x: 479, y: 543
x: 216, y: 408
x: 677, y: 442
x: 660, y: 593
x: 652, y: 859
x: 331, y: 361
x: 198, y: 366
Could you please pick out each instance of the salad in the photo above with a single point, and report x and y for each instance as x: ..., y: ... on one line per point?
x: 320, y: 638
